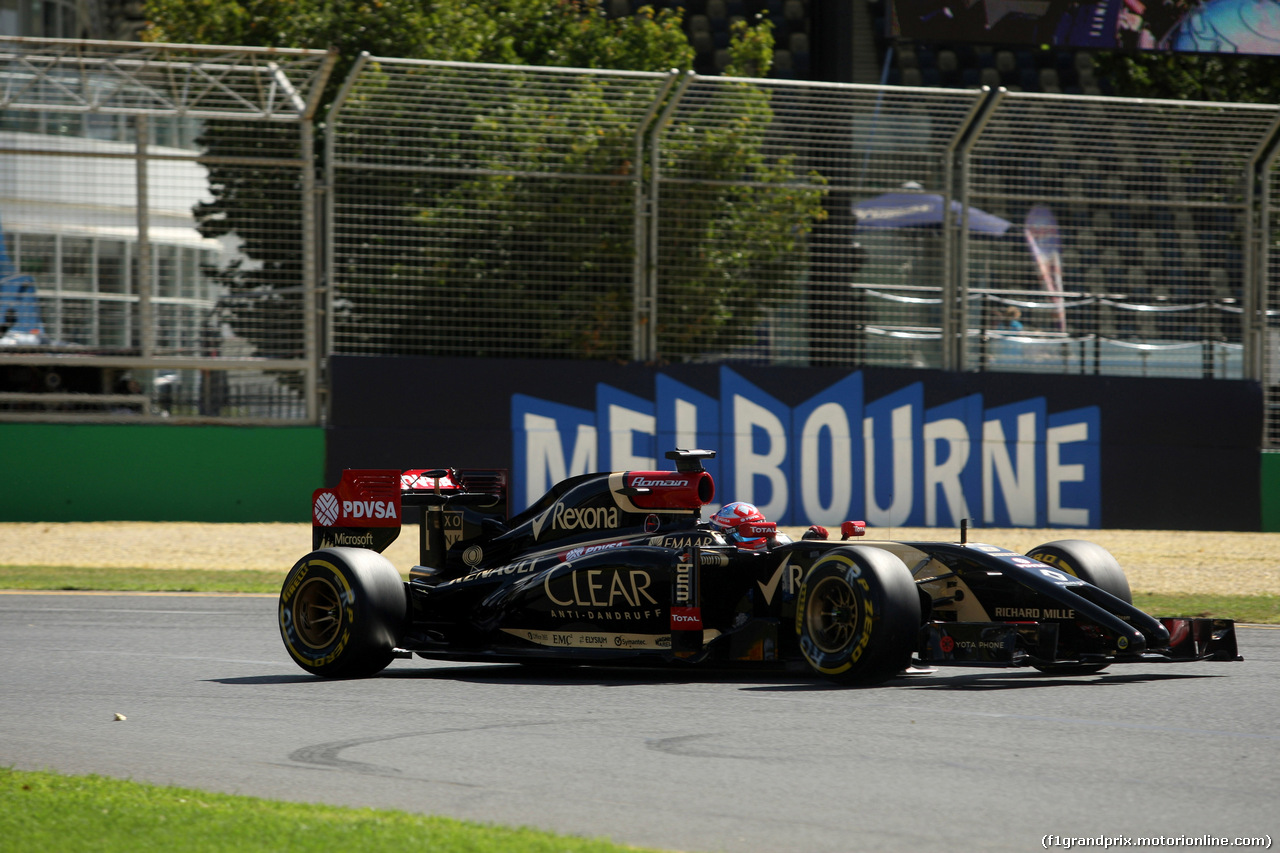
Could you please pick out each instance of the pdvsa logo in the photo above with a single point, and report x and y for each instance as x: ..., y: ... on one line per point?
x: 326, y: 509
x: 586, y: 550
x: 330, y: 511
x: 369, y: 509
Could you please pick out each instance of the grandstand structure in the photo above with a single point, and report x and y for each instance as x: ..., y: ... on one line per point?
x: 848, y: 41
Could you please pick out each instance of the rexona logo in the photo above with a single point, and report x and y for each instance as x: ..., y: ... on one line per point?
x: 561, y: 517
x: 902, y: 459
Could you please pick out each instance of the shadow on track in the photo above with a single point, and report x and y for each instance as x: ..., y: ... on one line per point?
x: 265, y: 679
x: 1004, y: 680
x: 756, y: 679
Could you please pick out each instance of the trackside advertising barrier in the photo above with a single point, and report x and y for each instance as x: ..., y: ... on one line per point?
x: 822, y: 445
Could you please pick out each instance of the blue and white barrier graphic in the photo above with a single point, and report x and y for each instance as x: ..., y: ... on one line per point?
x: 835, y: 456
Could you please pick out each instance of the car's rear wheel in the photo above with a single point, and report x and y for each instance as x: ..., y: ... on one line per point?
x: 1093, y: 564
x: 342, y: 611
x: 858, y: 615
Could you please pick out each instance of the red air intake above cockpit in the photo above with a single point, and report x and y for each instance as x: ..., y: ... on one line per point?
x: 669, y: 489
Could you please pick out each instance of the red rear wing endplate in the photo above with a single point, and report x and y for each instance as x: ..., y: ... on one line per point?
x: 362, y: 511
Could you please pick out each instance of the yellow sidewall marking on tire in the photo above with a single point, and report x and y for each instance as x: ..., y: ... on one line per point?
x: 348, y: 601
x: 853, y: 573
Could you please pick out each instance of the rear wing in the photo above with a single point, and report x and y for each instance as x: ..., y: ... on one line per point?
x: 366, y: 508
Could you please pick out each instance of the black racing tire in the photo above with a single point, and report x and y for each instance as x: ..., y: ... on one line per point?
x: 342, y: 611
x: 858, y: 615
x: 1088, y: 561
x: 1093, y: 564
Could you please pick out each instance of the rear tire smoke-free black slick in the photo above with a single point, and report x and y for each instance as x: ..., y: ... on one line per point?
x: 342, y: 611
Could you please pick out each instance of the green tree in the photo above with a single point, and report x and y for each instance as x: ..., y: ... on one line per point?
x: 1193, y: 77
x: 490, y: 225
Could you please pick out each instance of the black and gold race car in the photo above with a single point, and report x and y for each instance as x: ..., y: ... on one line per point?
x: 620, y: 567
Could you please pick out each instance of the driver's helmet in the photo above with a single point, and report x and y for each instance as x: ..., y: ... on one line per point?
x: 736, y: 521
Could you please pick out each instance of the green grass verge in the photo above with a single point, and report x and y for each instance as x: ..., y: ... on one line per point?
x: 1242, y: 608
x: 139, y: 580
x: 42, y: 811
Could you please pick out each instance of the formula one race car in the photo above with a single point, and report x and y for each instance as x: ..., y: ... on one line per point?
x: 619, y: 567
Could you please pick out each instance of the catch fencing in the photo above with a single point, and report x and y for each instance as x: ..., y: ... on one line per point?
x: 477, y: 210
x: 484, y: 210
x: 158, y: 214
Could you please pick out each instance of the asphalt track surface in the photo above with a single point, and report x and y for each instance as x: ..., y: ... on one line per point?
x: 683, y: 760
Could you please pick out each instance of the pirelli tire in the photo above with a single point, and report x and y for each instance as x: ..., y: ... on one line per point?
x: 342, y: 611
x: 1093, y: 564
x: 858, y: 615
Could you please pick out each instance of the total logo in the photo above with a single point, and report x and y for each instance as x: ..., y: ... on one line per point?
x: 686, y: 618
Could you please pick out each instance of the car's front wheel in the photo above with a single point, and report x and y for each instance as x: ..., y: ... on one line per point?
x: 1093, y: 564
x: 858, y: 615
x: 342, y: 611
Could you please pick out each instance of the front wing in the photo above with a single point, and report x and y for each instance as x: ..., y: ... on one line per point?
x: 1036, y: 644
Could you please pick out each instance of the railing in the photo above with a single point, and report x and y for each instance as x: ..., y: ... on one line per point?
x: 157, y: 206
x: 480, y: 210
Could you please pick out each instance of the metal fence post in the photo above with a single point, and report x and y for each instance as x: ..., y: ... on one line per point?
x: 325, y: 304
x: 655, y: 154
x: 311, y: 243
x: 955, y: 293
x: 643, y: 297
x: 143, y: 278
x: 1254, y: 330
x: 310, y: 333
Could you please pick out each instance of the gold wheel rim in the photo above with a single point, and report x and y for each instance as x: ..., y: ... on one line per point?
x: 317, y: 612
x: 833, y: 614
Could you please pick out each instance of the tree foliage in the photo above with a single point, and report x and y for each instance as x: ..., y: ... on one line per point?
x: 492, y: 228
x: 1193, y: 77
